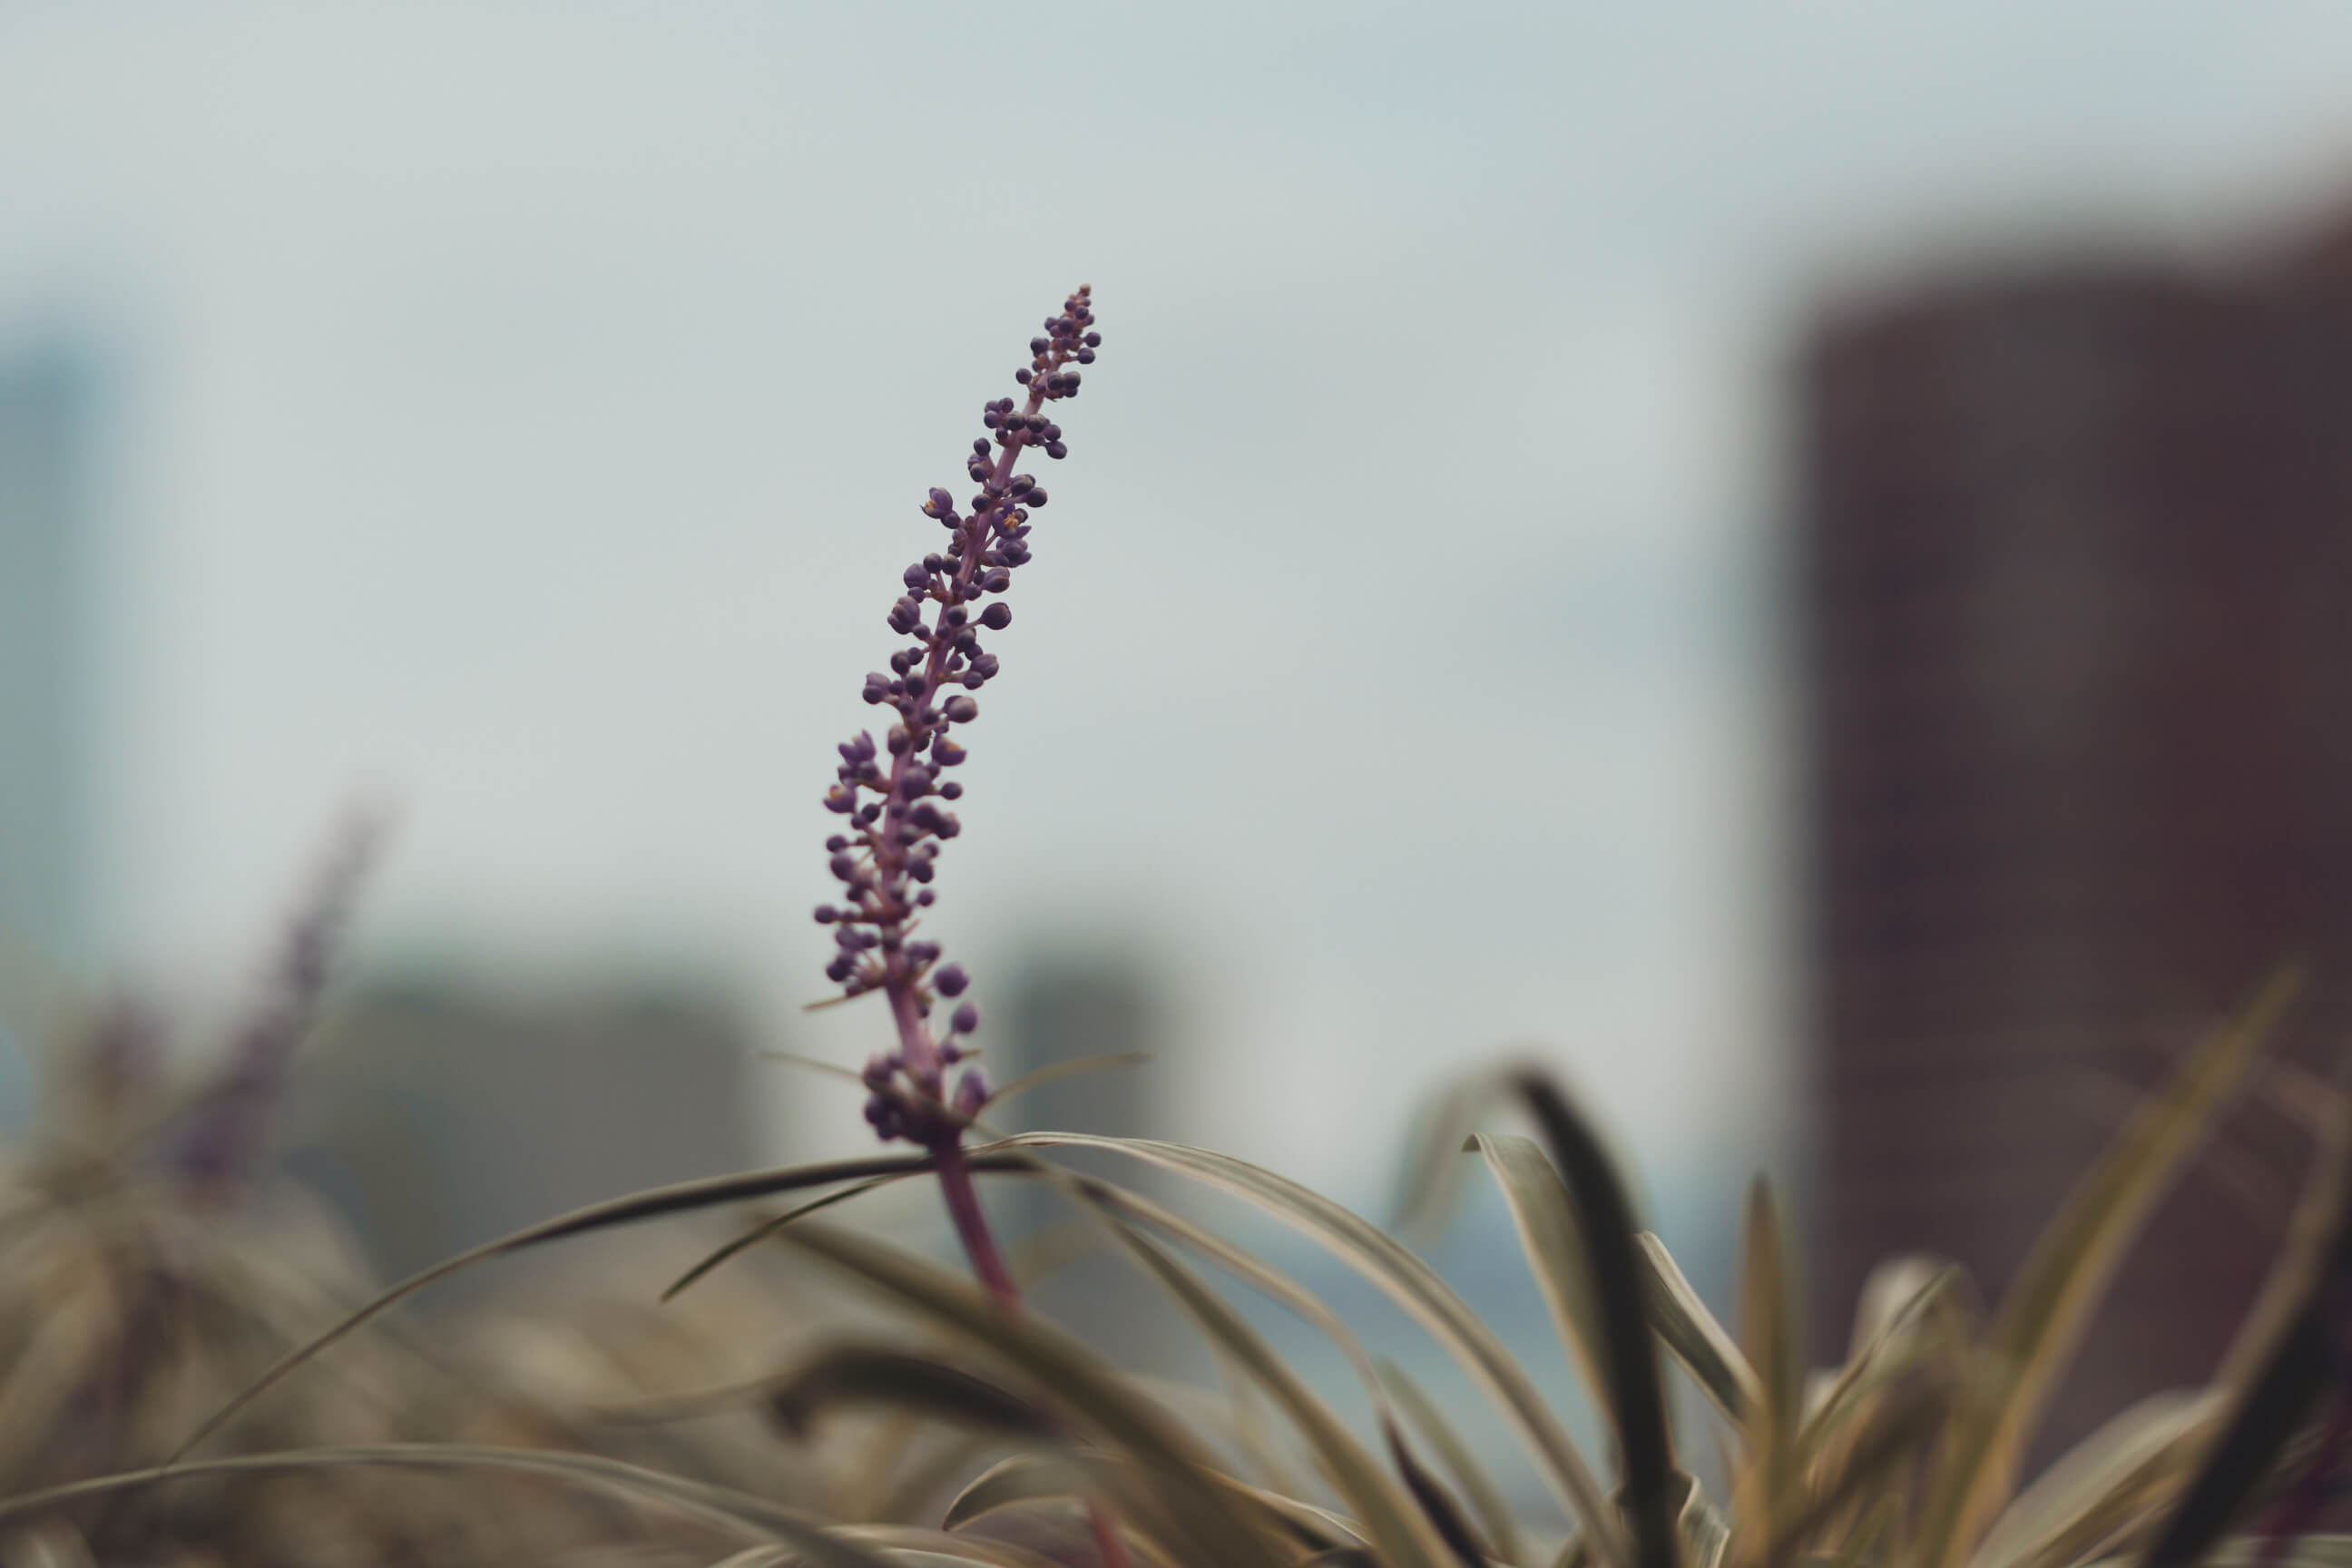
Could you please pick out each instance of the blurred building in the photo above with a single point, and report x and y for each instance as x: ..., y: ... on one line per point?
x: 2076, y: 559
x: 440, y: 1115
x: 46, y: 414
x: 49, y: 412
x: 1062, y: 1007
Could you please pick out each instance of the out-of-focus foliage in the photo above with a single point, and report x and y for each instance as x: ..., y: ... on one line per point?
x: 931, y: 1424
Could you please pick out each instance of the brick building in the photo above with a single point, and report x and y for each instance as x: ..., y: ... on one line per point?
x: 2075, y: 565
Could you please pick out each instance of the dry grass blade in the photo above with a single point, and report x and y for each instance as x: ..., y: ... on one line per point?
x: 1054, y: 1072
x: 2108, y: 1481
x: 1705, y: 1535
x: 1059, y: 1366
x: 881, y: 1376
x: 1636, y: 1397
x: 2064, y: 1276
x: 1900, y: 1429
x: 768, y: 1227
x: 2282, y: 1361
x: 1495, y: 1515
x: 853, y: 1372
x: 1389, y: 1520
x: 739, y: 1511
x: 1914, y: 1319
x: 910, y: 1546
x: 1023, y: 1478
x: 1440, y: 1507
x: 656, y: 1203
x: 1027, y: 1478
x: 1768, y: 1496
x: 1433, y: 1181
x: 1414, y: 1286
x: 1549, y: 1238
x: 1691, y: 1333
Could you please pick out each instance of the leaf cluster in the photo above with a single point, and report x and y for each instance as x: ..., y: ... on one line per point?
x: 1907, y: 1455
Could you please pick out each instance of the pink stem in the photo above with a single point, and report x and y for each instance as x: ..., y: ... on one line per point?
x: 972, y: 1222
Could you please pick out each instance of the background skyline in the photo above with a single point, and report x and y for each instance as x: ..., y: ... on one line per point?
x: 518, y: 414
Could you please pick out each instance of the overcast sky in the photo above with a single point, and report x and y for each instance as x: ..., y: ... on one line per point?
x: 519, y: 413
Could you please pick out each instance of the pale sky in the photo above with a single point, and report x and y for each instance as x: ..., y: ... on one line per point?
x: 521, y: 410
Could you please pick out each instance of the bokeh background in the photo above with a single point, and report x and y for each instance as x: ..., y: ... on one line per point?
x: 512, y: 417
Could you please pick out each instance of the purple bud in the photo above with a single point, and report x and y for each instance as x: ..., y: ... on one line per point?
x: 939, y: 504
x: 1057, y: 451
x: 927, y: 898
x: 996, y: 580
x: 952, y: 790
x: 972, y: 1093
x: 962, y: 709
x: 1022, y: 377
x: 877, y: 687
x: 946, y: 753
x: 950, y: 980
x: 997, y: 617
x: 826, y: 914
x: 840, y: 969
x: 1085, y: 356
x: 967, y: 1019
x: 917, y: 578
x: 844, y: 866
x: 1093, y: 340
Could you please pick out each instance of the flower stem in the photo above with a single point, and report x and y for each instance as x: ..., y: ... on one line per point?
x: 971, y: 1225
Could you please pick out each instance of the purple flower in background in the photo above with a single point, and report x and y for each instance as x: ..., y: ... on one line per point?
x: 895, y: 794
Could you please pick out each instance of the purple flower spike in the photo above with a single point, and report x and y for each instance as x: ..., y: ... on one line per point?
x: 887, y: 858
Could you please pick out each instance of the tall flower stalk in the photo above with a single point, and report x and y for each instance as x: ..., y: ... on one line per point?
x: 898, y: 796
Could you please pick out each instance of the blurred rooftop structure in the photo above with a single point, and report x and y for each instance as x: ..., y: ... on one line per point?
x: 46, y: 411
x: 437, y: 1114
x: 2076, y: 560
